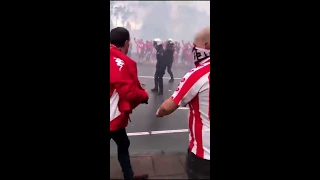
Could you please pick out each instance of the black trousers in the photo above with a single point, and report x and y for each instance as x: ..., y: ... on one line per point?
x: 169, y: 66
x: 121, y: 139
x: 197, y: 168
x: 158, y: 79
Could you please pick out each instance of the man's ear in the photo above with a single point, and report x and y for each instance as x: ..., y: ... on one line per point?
x: 127, y: 43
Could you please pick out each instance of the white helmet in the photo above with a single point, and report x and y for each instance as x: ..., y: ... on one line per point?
x: 170, y: 41
x: 157, y: 40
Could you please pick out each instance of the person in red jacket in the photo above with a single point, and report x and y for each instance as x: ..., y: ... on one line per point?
x: 126, y: 93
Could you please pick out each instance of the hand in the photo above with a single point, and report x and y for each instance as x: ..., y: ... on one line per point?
x: 157, y: 113
x: 143, y: 86
x: 146, y: 101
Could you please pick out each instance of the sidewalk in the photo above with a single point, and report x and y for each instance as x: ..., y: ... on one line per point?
x: 162, y: 166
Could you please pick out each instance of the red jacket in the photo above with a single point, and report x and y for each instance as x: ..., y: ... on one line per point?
x: 126, y: 92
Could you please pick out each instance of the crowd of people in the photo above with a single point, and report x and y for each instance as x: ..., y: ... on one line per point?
x: 127, y: 93
x: 146, y: 53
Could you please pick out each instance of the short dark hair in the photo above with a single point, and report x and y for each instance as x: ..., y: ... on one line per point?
x: 118, y: 36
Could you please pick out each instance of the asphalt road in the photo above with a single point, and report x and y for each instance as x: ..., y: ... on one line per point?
x: 149, y: 134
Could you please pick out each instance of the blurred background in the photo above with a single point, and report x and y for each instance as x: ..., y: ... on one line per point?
x: 147, y: 20
x: 174, y: 19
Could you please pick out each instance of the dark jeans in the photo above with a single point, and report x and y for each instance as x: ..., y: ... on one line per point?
x: 197, y: 168
x: 158, y: 78
x: 169, y: 70
x: 121, y: 138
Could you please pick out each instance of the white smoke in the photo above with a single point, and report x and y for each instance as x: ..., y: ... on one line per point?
x: 179, y: 20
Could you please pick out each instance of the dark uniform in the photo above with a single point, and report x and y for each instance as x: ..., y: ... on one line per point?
x: 168, y: 55
x: 160, y: 70
x: 129, y: 50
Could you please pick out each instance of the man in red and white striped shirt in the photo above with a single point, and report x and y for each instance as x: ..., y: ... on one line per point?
x: 194, y: 91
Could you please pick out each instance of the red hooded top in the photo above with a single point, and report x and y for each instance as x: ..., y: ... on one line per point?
x: 126, y: 92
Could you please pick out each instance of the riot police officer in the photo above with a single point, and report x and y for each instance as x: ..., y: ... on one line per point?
x: 168, y: 56
x: 160, y: 67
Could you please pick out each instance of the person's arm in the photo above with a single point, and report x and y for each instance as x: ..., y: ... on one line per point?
x: 129, y: 91
x: 125, y: 85
x: 185, y: 92
x: 140, y: 86
x: 172, y: 50
x: 161, y: 51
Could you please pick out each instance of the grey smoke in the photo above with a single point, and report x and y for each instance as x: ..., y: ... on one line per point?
x: 162, y: 19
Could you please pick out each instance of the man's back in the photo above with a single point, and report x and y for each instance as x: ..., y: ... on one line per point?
x: 193, y: 89
x: 168, y: 54
x: 123, y: 60
x: 125, y: 90
x: 160, y: 57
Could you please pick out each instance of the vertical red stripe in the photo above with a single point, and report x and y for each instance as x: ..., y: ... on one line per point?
x: 190, y: 81
x: 209, y: 98
x: 191, y: 121
x: 198, y: 127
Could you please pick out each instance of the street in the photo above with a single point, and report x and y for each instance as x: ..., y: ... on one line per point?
x: 149, y: 134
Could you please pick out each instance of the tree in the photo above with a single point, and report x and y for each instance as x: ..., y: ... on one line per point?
x: 121, y: 13
x: 117, y: 14
x: 126, y: 14
x: 112, y: 4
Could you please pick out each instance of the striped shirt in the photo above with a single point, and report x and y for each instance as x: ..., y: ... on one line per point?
x: 194, y: 90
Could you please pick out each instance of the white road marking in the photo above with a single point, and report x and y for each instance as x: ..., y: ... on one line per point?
x: 169, y: 131
x: 151, y: 77
x: 138, y: 133
x: 183, y: 108
x: 157, y: 132
x: 161, y: 132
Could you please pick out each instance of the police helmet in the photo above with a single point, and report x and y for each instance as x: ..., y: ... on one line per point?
x: 157, y: 41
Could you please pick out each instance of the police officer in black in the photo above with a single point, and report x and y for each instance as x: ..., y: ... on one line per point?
x: 160, y: 67
x: 168, y: 56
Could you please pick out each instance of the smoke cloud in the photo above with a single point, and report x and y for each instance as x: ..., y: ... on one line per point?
x: 179, y: 20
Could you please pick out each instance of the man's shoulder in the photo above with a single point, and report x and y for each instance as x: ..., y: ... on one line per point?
x: 197, y: 72
x: 121, y: 56
x: 202, y: 67
x: 124, y: 60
